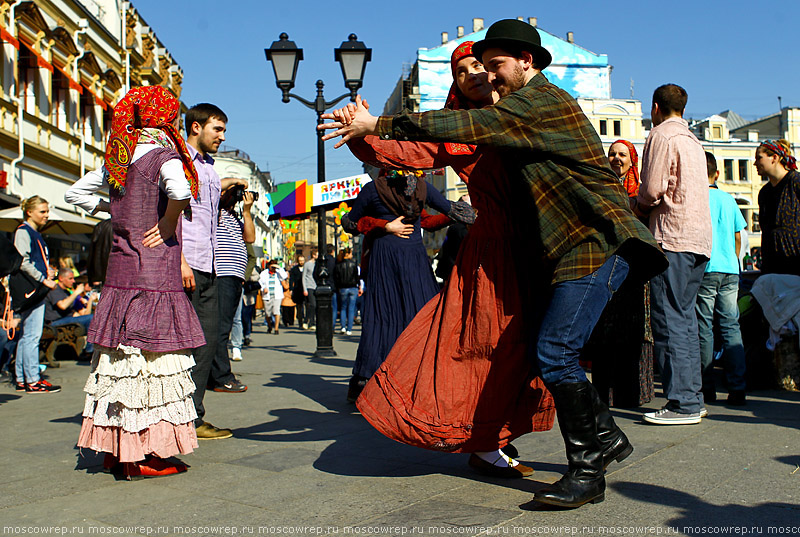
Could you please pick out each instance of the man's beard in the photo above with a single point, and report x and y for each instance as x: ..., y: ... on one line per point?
x: 507, y: 87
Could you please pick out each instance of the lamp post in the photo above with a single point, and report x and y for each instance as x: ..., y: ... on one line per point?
x: 353, y: 56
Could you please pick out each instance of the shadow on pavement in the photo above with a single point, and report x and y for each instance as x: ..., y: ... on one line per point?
x: 6, y: 397
x: 695, y: 513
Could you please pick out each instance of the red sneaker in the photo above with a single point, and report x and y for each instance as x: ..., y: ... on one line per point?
x: 20, y: 386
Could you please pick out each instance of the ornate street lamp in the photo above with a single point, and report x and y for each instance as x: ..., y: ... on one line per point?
x: 353, y: 56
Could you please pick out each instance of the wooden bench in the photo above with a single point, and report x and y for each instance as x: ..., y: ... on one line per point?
x: 72, y: 334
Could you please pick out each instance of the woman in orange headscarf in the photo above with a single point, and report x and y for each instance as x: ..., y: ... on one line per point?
x: 621, y: 347
x: 139, y: 408
x: 624, y: 160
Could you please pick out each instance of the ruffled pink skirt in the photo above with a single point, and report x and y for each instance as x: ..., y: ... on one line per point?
x: 139, y: 403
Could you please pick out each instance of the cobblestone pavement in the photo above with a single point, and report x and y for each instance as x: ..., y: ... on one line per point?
x: 304, y: 462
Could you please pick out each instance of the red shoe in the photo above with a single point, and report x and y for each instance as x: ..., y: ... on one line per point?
x: 152, y: 467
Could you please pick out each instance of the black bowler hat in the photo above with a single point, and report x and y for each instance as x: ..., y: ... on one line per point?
x: 518, y: 35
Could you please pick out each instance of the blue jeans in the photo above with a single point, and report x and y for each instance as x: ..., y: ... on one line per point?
x: 718, y: 297
x: 570, y: 317
x: 27, y: 369
x: 676, y: 344
x: 83, y: 320
x: 237, y: 331
x: 347, y: 299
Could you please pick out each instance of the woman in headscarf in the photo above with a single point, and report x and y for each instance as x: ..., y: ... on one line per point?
x: 396, y: 270
x: 624, y: 160
x: 621, y: 346
x: 139, y: 408
x: 779, y: 208
x: 459, y: 378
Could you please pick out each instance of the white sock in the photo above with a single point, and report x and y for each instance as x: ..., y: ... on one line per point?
x: 497, y: 458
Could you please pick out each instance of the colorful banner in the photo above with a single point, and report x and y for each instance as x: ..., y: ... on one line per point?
x: 293, y: 198
x: 339, y: 190
x: 298, y: 197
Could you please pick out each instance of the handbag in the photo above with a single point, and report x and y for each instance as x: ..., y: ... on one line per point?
x: 251, y: 286
x: 26, y: 293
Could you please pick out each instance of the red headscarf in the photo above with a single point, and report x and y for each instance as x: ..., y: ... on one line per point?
x: 456, y: 100
x: 144, y: 107
x: 631, y: 180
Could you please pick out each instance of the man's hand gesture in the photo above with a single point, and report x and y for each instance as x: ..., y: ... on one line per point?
x: 351, y: 121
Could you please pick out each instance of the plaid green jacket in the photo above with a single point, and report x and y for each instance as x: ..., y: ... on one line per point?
x: 577, y: 210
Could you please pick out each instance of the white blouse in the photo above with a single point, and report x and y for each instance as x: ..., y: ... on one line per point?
x: 172, y: 182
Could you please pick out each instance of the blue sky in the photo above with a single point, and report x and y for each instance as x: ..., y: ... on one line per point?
x: 727, y: 54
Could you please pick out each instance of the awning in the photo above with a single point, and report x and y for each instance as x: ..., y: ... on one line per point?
x: 8, y: 38
x: 72, y: 84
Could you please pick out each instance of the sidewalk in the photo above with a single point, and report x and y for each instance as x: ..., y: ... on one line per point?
x: 303, y: 461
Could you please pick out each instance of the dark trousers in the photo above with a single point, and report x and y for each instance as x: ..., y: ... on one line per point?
x: 311, y: 307
x: 205, y: 302
x: 229, y: 290
x: 247, y: 319
x: 676, y: 343
x: 300, y: 308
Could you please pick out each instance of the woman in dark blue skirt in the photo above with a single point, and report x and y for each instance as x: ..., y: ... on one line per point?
x: 395, y: 266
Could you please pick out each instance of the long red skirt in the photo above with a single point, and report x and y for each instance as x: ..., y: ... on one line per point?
x: 460, y: 377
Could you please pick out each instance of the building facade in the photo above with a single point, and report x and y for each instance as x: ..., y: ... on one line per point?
x: 64, y: 64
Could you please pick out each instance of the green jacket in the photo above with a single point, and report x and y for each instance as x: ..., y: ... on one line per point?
x: 573, y: 203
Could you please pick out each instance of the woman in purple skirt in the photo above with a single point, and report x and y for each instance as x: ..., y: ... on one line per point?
x: 139, y: 408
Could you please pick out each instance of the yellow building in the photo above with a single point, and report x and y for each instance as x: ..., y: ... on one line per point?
x: 64, y: 64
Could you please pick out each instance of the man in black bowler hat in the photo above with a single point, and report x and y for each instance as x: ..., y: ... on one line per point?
x: 580, y: 224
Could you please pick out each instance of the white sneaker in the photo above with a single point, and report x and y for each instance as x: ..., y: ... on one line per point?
x: 303, y: 326
x: 703, y: 412
x: 236, y: 355
x: 343, y: 330
x: 349, y: 333
x: 666, y: 416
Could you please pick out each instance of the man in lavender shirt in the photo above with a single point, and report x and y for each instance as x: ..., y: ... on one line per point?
x: 674, y: 193
x: 205, y: 127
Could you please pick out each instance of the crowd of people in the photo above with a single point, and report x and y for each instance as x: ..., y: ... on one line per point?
x: 628, y: 271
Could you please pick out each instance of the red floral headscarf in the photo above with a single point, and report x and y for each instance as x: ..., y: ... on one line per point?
x: 455, y: 99
x: 631, y: 180
x: 144, y: 107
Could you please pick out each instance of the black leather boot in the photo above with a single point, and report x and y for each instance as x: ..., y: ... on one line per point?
x: 615, y: 444
x: 584, y: 481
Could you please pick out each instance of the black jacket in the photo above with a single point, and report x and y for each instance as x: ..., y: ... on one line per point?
x: 345, y: 274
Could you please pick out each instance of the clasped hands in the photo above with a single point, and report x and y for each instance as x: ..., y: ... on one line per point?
x: 351, y: 121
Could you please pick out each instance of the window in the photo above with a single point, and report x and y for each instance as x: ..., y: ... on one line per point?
x: 27, y: 73
x: 60, y: 96
x: 717, y: 131
x: 728, y: 170
x: 603, y: 127
x: 617, y: 128
x: 756, y: 224
x: 743, y: 165
x: 87, y: 116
